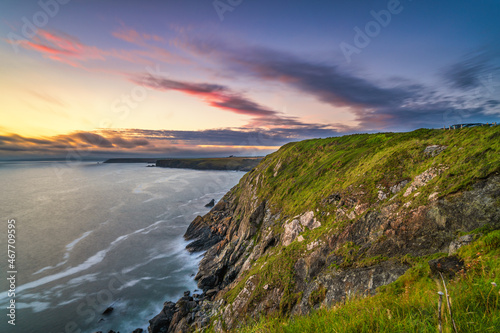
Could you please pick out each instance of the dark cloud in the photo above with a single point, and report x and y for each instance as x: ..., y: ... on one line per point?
x: 325, y: 81
x: 403, y: 105
x: 474, y: 71
x: 133, y: 143
x: 107, y: 143
x: 94, y: 139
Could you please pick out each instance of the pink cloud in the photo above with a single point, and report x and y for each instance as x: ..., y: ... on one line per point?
x: 62, y: 48
x: 133, y: 36
x: 67, y: 49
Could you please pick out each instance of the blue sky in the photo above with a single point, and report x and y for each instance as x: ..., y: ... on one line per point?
x: 186, y: 77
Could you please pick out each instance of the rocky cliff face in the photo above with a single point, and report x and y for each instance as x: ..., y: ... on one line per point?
x: 312, y: 228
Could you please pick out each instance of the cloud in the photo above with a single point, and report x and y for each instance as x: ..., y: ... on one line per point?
x: 62, y: 47
x: 377, y: 105
x: 93, y: 139
x: 224, y: 98
x: 215, y: 95
x: 327, y: 82
x: 68, y: 49
x: 473, y: 71
x: 106, y: 143
x: 133, y: 36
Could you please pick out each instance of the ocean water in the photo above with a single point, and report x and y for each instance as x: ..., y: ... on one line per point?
x: 90, y: 235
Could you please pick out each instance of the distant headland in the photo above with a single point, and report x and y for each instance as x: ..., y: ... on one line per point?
x: 216, y: 163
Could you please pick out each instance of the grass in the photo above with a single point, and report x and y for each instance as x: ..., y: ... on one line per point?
x: 309, y: 171
x: 410, y: 303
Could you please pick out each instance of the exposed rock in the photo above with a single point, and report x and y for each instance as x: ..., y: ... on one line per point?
x: 458, y: 243
x: 232, y: 311
x: 423, y: 179
x: 382, y: 195
x: 210, y: 204
x: 433, y: 196
x: 398, y: 187
x: 292, y: 230
x: 161, y: 322
x: 434, y: 150
x: 309, y: 221
x: 447, y: 266
x: 342, y: 285
x: 138, y: 330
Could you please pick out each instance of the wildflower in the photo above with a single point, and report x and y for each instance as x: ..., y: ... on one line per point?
x: 493, y: 284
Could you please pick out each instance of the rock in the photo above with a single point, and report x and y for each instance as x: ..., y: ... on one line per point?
x: 458, y: 243
x: 292, y: 230
x: 161, y: 322
x: 433, y: 196
x: 108, y: 310
x: 309, y: 221
x: 138, y: 330
x: 210, y: 204
x: 422, y: 179
x: 434, y: 150
x: 382, y: 195
x: 398, y: 187
x: 333, y: 198
x: 187, y: 293
x: 447, y: 266
x: 211, y: 292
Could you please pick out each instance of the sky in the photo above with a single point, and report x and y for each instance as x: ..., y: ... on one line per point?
x: 96, y: 79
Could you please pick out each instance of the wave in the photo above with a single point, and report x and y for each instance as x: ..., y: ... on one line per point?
x: 66, y: 255
x: 90, y: 262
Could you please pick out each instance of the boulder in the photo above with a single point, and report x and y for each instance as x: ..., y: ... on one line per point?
x: 161, y: 322
x: 210, y: 204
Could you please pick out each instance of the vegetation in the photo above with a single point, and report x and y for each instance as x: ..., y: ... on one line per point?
x: 298, y: 176
x: 410, y: 303
x: 301, y: 176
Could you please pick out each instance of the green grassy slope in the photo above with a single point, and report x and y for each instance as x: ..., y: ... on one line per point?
x: 309, y: 171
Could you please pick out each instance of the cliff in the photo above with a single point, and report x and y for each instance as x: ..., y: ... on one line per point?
x: 323, y: 221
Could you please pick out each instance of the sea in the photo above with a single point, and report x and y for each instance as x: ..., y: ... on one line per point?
x: 89, y: 236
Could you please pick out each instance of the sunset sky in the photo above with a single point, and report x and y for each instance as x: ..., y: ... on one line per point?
x: 97, y: 79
